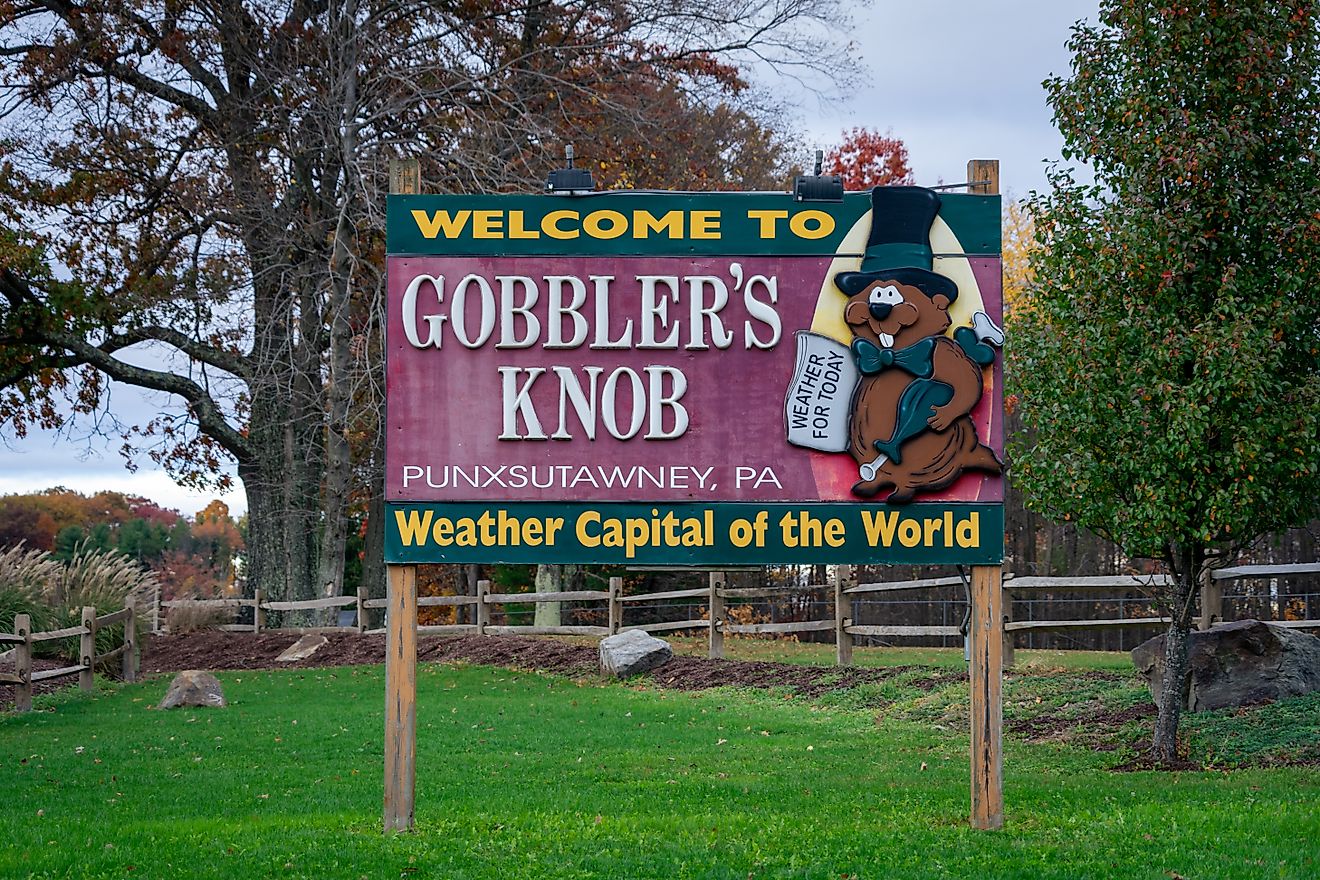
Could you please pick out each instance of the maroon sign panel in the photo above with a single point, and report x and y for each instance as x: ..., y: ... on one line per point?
x: 661, y: 378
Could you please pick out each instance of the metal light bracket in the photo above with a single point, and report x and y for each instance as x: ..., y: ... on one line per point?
x: 818, y: 187
x: 570, y: 181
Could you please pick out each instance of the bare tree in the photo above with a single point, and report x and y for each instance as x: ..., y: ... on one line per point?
x: 193, y: 192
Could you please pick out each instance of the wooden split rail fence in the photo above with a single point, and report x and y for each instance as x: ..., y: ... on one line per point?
x: 22, y: 638
x: 716, y: 596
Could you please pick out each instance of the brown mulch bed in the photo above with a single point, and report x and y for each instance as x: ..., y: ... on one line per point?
x: 1044, y: 727
x: 221, y: 650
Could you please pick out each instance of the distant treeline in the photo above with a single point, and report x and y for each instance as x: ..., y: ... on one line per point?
x: 197, y: 556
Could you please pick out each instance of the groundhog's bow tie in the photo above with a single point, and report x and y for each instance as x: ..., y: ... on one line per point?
x: 917, y: 359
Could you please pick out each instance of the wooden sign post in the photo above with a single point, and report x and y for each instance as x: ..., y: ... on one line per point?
x: 988, y: 639
x: 986, y: 676
x: 401, y: 639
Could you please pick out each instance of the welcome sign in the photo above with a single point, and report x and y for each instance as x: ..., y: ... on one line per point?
x: 701, y: 378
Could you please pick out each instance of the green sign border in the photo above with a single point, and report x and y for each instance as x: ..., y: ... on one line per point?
x: 712, y: 524
x: 974, y: 219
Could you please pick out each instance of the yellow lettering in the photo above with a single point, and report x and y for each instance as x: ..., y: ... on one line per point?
x: 822, y: 224
x: 705, y: 224
x: 932, y: 529
x: 550, y: 224
x: 467, y: 532
x: 441, y: 221
x: 444, y: 532
x: 880, y: 527
x: 595, y: 226
x: 693, y: 534
x: 909, y: 533
x: 637, y: 536
x: 586, y: 538
x: 768, y: 220
x: 412, y: 527
x: 644, y: 223
x: 834, y: 532
x: 969, y: 531
x: 552, y: 527
x: 517, y: 229
x: 786, y: 523
x: 487, y: 224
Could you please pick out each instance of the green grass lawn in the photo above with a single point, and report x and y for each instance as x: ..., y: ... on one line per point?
x: 822, y: 654
x: 529, y: 776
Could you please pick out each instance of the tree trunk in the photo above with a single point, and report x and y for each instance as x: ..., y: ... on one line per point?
x: 338, y: 462
x: 278, y: 548
x: 1172, y: 693
x: 552, y: 579
x: 1185, y: 563
x: 373, y: 542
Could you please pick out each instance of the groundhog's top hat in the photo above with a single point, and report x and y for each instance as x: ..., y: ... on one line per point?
x: 899, y: 246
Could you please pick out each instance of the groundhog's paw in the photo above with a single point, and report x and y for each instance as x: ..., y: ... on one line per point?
x: 942, y: 418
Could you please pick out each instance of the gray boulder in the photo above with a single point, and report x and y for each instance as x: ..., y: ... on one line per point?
x: 632, y: 652
x: 192, y: 687
x: 1238, y: 664
x: 303, y: 648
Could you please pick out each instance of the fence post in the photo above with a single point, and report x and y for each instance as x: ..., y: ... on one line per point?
x: 87, y: 649
x: 986, y: 673
x: 362, y: 610
x: 23, y: 663
x: 1212, y: 600
x: 616, y: 606
x: 483, y: 610
x: 1009, y: 654
x: 842, y: 616
x: 717, y: 615
x: 258, y: 613
x: 155, y: 611
x: 129, y: 662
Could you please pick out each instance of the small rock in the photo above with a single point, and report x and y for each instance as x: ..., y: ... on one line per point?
x: 193, y: 687
x: 1238, y: 664
x: 632, y: 652
x: 303, y: 648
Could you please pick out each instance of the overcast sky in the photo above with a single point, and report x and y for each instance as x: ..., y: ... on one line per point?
x: 958, y: 81
x: 954, y: 80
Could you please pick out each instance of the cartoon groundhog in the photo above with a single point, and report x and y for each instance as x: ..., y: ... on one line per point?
x: 910, y: 428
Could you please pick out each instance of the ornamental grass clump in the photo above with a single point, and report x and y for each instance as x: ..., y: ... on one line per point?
x: 104, y: 581
x: 53, y: 594
x: 24, y: 578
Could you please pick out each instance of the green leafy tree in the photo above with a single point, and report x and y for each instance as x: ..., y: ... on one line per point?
x: 142, y: 541
x: 67, y: 541
x: 1167, y: 358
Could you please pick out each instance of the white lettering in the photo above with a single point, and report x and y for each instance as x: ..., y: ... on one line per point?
x: 516, y: 401
x: 458, y: 311
x: 510, y: 312
x: 659, y: 402
x: 409, y: 312
x: 559, y: 311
